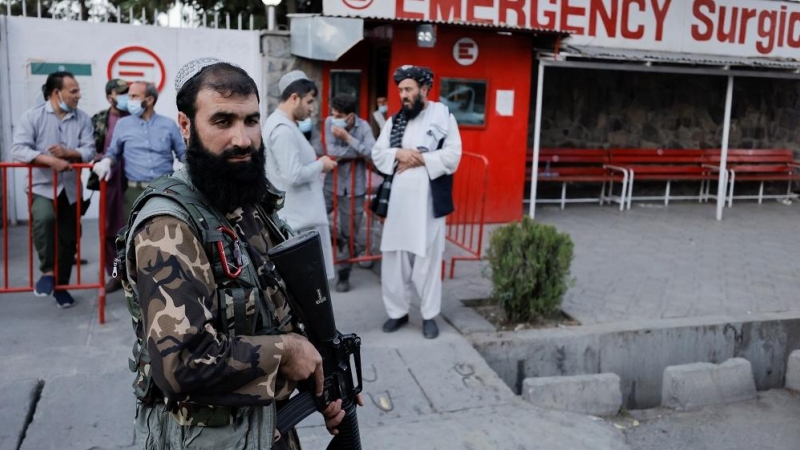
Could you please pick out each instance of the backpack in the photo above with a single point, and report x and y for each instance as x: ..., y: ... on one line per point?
x: 240, y: 299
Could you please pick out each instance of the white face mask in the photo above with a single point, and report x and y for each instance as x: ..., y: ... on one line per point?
x: 135, y: 107
x: 62, y: 104
x: 383, y: 109
x: 305, y: 125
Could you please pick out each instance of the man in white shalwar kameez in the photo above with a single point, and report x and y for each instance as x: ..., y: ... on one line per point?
x: 292, y: 164
x: 422, y: 145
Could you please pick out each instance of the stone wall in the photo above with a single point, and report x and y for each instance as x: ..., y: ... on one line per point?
x: 596, y: 109
x: 277, y: 57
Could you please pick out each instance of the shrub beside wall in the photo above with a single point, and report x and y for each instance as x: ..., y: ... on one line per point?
x: 530, y: 267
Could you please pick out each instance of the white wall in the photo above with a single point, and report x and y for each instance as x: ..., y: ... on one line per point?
x: 24, y: 40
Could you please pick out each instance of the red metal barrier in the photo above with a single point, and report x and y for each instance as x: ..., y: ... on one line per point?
x: 371, y: 219
x: 100, y: 285
x: 465, y: 225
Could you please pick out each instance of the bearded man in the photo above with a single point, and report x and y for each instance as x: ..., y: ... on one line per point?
x: 216, y: 347
x: 421, y: 146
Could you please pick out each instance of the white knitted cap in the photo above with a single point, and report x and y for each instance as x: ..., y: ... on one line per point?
x: 192, y: 68
x: 290, y: 78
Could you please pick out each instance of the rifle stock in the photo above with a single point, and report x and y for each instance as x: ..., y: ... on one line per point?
x: 299, y: 262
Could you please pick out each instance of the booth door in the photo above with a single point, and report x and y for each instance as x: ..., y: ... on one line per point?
x: 485, y: 80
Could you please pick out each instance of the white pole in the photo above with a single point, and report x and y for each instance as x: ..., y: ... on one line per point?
x: 537, y: 134
x: 723, y: 160
x: 270, y: 18
x: 24, y: 8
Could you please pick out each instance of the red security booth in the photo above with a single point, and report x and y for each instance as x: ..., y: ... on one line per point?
x: 482, y: 73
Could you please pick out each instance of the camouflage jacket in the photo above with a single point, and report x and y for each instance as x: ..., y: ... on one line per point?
x: 193, y: 356
x: 100, y: 122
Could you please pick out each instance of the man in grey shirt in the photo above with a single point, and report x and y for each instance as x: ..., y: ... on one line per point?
x: 349, y: 140
x: 55, y: 134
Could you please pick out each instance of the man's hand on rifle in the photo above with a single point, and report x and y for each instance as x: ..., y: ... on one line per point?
x: 301, y: 360
x: 334, y: 414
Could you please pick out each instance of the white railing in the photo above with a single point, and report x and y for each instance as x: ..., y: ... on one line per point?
x: 179, y: 16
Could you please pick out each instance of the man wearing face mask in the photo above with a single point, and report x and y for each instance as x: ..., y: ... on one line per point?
x: 421, y: 146
x: 104, y: 123
x: 348, y: 139
x: 380, y: 114
x: 55, y: 134
x: 292, y: 165
x: 149, y: 141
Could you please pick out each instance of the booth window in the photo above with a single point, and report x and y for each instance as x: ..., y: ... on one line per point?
x: 346, y: 82
x: 466, y: 100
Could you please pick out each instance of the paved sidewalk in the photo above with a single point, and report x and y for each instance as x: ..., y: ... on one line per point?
x: 659, y: 263
x: 649, y: 263
x: 425, y: 394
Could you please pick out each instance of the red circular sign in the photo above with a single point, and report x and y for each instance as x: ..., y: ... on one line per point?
x: 136, y: 63
x: 357, y: 4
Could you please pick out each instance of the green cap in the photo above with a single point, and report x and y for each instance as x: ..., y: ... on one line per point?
x: 116, y: 85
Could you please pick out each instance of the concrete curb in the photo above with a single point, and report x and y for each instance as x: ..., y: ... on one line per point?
x: 597, y: 395
x: 691, y: 386
x: 793, y: 371
x: 639, y: 352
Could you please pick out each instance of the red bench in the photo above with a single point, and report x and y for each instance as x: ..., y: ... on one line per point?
x: 664, y: 165
x: 569, y: 165
x: 761, y: 166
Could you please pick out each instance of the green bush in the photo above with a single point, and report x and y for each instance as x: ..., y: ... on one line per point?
x: 529, y: 264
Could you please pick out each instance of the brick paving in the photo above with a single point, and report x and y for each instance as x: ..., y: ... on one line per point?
x: 654, y: 262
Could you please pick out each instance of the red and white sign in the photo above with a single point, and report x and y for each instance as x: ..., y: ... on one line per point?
x: 137, y: 64
x: 358, y: 4
x: 465, y: 51
x: 714, y: 27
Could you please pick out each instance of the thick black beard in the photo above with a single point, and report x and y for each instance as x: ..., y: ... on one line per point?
x: 226, y: 185
x: 415, y: 108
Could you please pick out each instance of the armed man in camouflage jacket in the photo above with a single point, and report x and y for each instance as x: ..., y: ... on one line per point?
x: 213, y: 385
x: 104, y: 123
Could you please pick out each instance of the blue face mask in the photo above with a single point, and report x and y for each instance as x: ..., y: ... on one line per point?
x: 135, y: 107
x: 63, y: 105
x: 305, y: 125
x: 122, y: 102
x: 339, y: 122
x: 383, y: 109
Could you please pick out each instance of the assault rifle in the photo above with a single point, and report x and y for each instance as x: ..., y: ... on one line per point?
x: 301, y: 265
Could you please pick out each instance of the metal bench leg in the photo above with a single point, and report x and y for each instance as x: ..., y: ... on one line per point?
x: 760, y: 192
x: 603, y: 193
x: 563, y: 194
x: 630, y: 189
x: 702, y: 190
x: 730, y: 191
x: 666, y: 194
x: 610, y: 191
